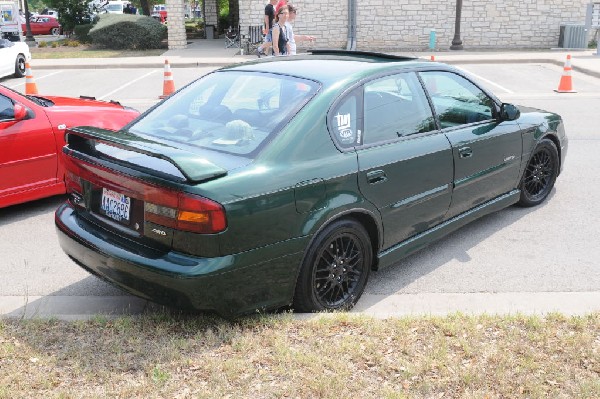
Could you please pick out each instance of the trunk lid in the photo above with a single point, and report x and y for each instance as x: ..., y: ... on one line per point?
x: 140, y: 187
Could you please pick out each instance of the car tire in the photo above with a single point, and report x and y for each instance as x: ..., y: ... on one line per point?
x: 335, y: 268
x: 540, y: 174
x: 55, y: 31
x: 20, y: 66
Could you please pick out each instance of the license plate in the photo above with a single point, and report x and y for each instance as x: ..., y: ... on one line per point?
x: 115, y: 205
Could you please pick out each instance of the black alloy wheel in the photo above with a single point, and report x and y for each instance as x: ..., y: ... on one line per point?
x: 336, y: 268
x: 20, y: 66
x: 540, y: 174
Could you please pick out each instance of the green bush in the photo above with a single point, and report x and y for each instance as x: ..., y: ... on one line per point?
x: 124, y: 31
x: 82, y: 32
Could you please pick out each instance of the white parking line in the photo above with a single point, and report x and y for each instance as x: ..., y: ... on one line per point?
x: 128, y: 84
x: 38, y: 78
x: 491, y: 83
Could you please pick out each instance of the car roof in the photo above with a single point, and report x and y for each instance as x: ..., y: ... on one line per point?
x: 335, y: 66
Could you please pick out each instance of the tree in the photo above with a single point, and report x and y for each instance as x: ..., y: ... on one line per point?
x: 71, y: 12
x: 234, y: 13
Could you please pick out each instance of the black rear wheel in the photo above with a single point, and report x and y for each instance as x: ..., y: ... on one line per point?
x: 335, y: 269
x: 540, y: 174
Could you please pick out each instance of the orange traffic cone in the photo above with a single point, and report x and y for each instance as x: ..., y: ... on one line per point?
x: 566, y: 83
x: 30, y: 86
x: 433, y: 58
x: 168, y: 85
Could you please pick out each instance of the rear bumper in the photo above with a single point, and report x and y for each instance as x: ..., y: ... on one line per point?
x: 232, y: 285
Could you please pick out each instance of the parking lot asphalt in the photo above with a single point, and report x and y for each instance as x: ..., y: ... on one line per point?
x: 213, y: 53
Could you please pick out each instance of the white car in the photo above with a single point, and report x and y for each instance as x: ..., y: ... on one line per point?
x: 13, y: 56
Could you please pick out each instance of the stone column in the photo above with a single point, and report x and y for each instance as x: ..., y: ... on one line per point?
x: 176, y: 24
x: 211, y: 15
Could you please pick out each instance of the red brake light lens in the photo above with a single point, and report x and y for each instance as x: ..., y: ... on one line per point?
x: 165, y: 207
x: 193, y: 213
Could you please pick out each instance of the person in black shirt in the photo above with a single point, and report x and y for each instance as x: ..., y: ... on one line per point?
x: 267, y: 28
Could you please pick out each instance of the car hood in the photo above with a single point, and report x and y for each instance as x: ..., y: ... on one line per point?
x: 82, y: 101
x: 72, y: 112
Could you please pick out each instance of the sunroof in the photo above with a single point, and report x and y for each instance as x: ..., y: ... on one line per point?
x: 365, y: 53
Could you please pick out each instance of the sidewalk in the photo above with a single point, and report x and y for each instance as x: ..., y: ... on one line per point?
x: 212, y: 53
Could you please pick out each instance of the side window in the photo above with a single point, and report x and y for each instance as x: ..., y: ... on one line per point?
x: 345, y: 121
x: 456, y: 100
x: 395, y: 106
x: 6, y: 109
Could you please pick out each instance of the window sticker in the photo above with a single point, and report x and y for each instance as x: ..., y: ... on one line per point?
x: 345, y: 133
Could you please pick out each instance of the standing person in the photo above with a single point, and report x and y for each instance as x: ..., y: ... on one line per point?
x: 291, y: 36
x: 267, y: 28
x: 281, y: 45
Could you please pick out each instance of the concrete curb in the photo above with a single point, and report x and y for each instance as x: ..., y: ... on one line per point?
x: 372, y: 305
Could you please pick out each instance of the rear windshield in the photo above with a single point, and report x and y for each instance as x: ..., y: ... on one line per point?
x: 231, y: 112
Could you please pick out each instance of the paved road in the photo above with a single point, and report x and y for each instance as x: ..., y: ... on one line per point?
x: 529, y: 260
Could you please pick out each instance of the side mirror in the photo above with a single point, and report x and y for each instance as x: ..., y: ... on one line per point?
x: 509, y: 112
x: 21, y: 112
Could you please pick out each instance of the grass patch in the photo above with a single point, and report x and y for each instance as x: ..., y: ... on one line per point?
x: 180, y: 356
x: 74, y: 49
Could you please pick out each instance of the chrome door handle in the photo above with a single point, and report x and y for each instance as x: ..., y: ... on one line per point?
x: 376, y: 176
x: 465, y: 152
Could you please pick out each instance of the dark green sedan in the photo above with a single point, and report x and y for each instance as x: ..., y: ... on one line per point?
x: 287, y: 181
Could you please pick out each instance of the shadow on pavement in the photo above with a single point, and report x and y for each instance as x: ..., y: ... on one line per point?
x: 88, y: 297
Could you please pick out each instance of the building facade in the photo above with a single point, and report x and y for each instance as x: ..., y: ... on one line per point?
x: 407, y: 24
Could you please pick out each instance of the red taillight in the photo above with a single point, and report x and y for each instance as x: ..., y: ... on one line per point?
x: 165, y: 207
x: 193, y: 213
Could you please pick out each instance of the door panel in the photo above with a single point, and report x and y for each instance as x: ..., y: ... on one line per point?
x: 409, y: 182
x: 406, y: 168
x: 487, y: 162
x: 486, y: 151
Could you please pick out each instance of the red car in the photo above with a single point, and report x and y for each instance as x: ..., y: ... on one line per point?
x: 32, y: 132
x: 43, y: 25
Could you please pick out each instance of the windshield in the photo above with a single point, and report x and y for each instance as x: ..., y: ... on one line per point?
x: 115, y: 7
x: 232, y: 112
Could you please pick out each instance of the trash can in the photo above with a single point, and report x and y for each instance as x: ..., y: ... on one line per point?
x: 209, y: 31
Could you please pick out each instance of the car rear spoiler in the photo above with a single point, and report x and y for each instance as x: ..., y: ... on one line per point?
x: 194, y: 168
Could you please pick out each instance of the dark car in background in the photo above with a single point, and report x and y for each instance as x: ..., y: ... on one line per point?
x: 287, y: 181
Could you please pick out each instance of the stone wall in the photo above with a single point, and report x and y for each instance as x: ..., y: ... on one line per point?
x: 406, y: 24
x: 176, y: 24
